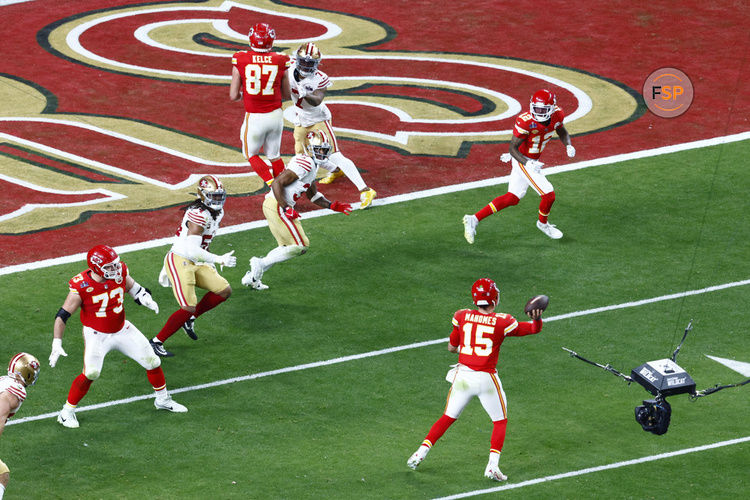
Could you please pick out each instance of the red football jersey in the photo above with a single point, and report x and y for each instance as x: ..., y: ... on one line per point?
x: 102, y: 308
x: 478, y: 336
x: 536, y: 135
x: 261, y: 74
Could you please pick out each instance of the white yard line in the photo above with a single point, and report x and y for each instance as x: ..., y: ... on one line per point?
x: 371, y: 354
x: 609, y: 160
x: 589, y: 470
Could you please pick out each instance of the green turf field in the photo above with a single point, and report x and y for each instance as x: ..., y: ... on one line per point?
x: 393, y: 276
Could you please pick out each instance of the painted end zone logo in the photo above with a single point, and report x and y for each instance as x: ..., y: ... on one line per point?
x: 430, y: 104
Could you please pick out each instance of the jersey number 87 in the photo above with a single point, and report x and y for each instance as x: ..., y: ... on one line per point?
x: 253, y: 78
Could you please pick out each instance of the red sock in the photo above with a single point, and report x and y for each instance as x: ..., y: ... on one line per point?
x: 156, y: 377
x: 277, y: 166
x: 78, y: 389
x: 547, y: 200
x: 261, y: 168
x: 439, y: 428
x: 497, y: 204
x: 498, y: 435
x: 175, y: 321
x: 208, y: 302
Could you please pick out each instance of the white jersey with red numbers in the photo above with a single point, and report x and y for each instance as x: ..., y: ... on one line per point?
x: 478, y: 337
x: 536, y: 135
x: 14, y: 387
x: 202, y: 217
x: 102, y: 306
x: 306, y: 171
x: 261, y: 74
x: 306, y: 113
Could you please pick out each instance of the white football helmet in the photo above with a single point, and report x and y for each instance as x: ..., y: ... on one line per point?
x: 211, y: 192
x: 317, y: 145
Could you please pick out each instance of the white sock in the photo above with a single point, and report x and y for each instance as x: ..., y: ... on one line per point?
x: 347, y: 166
x: 423, y: 451
x: 494, y: 459
x: 280, y: 254
x: 162, y: 394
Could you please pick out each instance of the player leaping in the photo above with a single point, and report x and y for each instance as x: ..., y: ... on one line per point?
x: 531, y: 133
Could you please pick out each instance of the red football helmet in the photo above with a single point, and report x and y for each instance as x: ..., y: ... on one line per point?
x: 542, y: 105
x: 261, y: 37
x: 25, y: 368
x: 105, y: 262
x: 484, y: 291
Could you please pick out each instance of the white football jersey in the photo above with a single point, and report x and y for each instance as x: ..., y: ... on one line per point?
x: 306, y: 171
x: 14, y: 387
x: 202, y: 217
x: 306, y: 113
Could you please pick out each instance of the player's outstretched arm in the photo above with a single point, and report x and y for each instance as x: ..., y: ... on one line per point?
x: 72, y: 302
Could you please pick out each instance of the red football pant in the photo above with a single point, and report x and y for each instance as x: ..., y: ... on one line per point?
x: 498, y: 435
x: 439, y: 428
x: 78, y: 389
x: 497, y: 204
x: 544, y: 206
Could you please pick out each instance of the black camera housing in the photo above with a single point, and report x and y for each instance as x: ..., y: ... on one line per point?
x: 654, y: 415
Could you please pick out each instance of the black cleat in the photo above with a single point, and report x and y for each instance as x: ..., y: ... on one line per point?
x: 159, y: 350
x: 189, y: 327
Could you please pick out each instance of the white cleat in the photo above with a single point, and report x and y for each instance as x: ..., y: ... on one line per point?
x: 470, y: 227
x: 169, y: 404
x: 494, y: 473
x: 68, y: 418
x: 550, y: 230
x: 414, y: 460
x: 253, y: 276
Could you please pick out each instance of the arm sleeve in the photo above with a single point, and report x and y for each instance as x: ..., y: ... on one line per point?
x: 190, y: 248
x: 455, y: 336
x: 527, y: 328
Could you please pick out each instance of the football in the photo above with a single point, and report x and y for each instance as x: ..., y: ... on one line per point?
x: 537, y: 302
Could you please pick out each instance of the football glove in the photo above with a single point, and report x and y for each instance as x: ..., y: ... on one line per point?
x: 291, y: 213
x: 505, y: 157
x: 344, y: 208
x: 570, y: 150
x: 535, y: 165
x: 227, y: 259
x: 57, y: 351
x: 143, y: 298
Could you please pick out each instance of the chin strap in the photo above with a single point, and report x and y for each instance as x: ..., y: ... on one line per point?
x: 603, y: 367
x: 716, y: 388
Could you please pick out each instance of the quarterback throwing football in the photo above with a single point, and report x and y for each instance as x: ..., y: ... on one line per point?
x: 531, y: 133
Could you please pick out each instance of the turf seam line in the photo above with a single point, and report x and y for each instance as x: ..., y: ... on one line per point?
x: 388, y: 350
x: 609, y: 160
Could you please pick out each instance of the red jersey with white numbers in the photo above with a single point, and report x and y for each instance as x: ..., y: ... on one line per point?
x: 102, y: 308
x: 536, y: 135
x: 261, y: 74
x: 478, y: 336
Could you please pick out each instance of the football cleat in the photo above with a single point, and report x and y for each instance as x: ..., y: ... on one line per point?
x: 366, y: 197
x: 159, y: 350
x: 414, y: 460
x: 68, y: 418
x: 550, y: 230
x: 253, y: 276
x: 189, y: 327
x: 494, y: 473
x: 470, y: 227
x: 169, y: 404
x: 331, y: 177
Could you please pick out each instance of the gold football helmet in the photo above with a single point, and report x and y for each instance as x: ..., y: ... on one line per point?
x: 25, y: 368
x: 308, y: 57
x: 317, y: 145
x: 211, y: 192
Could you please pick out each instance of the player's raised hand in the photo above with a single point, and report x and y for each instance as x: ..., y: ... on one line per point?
x: 57, y: 351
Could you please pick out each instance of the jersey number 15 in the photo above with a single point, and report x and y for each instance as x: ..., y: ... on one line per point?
x: 474, y: 341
